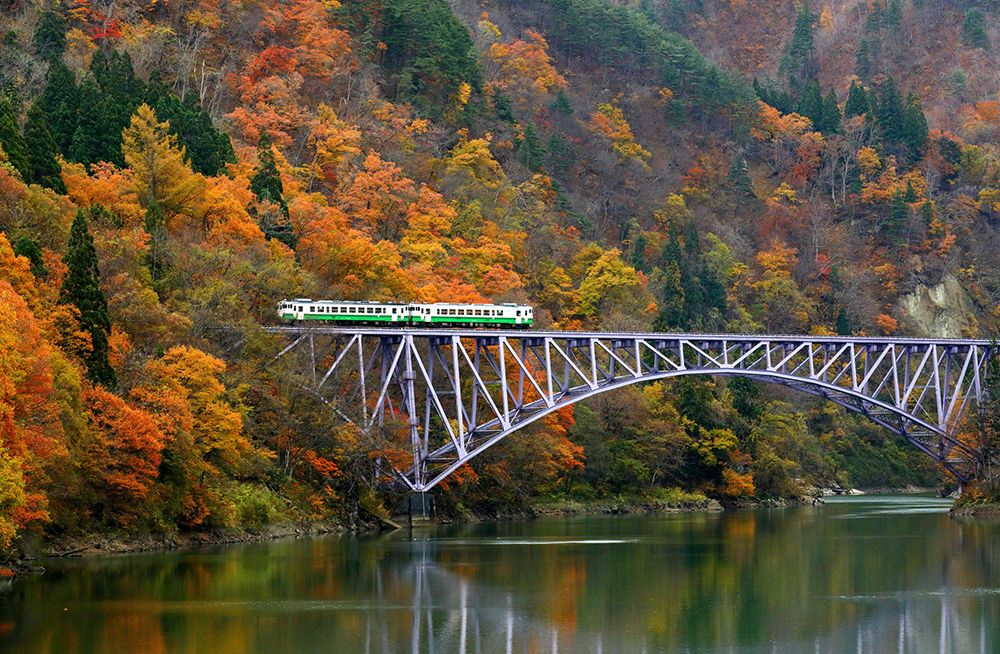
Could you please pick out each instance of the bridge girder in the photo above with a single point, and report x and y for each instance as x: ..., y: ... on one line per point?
x: 458, y: 392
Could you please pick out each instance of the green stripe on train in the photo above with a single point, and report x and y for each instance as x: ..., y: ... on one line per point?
x: 503, y: 321
x: 347, y: 318
x: 401, y: 319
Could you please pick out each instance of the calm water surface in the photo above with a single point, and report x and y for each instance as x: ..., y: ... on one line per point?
x: 869, y: 574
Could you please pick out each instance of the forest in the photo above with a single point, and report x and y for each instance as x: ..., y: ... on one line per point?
x: 171, y: 169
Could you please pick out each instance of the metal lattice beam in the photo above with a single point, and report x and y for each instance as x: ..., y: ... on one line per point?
x: 458, y: 392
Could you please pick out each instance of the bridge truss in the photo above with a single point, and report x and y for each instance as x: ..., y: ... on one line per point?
x: 455, y: 393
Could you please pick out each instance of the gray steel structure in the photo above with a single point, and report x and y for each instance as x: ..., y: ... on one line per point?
x: 458, y: 392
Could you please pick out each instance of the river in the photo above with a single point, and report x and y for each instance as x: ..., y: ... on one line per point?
x: 862, y: 574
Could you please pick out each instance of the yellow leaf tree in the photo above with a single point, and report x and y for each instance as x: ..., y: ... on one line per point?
x: 161, y: 175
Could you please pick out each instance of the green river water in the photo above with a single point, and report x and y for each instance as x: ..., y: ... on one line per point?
x: 873, y: 574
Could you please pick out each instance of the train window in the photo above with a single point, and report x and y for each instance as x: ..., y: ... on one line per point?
x: 518, y: 312
x: 394, y: 310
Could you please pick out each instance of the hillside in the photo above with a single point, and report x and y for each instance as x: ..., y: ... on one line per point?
x: 171, y: 169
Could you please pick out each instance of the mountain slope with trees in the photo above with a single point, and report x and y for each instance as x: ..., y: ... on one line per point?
x: 171, y: 170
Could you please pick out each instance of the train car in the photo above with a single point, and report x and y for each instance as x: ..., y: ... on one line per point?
x: 400, y: 314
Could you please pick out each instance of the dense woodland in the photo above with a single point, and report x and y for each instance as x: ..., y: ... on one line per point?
x: 170, y: 169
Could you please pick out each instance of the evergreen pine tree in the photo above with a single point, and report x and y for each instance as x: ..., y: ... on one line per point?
x: 81, y: 288
x: 639, y: 253
x: 266, y: 184
x: 501, y: 106
x: 857, y: 101
x: 866, y: 57
x: 90, y: 138
x: 671, y: 314
x: 890, y: 113
x: 811, y: 104
x: 208, y: 148
x: 777, y: 98
x: 558, y: 154
x: 914, y: 126
x: 529, y: 149
x: 831, y: 121
x: 27, y: 247
x: 974, y: 29
x: 927, y: 212
x: 10, y: 137
x: 428, y: 53
x: 59, y: 102
x: 797, y: 61
x: 739, y: 180
x: 49, y: 39
x: 122, y: 93
x: 843, y: 325
x: 899, y: 214
x: 43, y: 168
x: 892, y: 18
x: 562, y: 104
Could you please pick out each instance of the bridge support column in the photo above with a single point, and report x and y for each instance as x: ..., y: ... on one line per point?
x: 420, y: 506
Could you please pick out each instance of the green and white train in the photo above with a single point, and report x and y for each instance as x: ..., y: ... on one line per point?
x: 406, y: 314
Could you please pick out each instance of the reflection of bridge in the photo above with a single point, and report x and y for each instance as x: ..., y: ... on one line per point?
x: 461, y: 391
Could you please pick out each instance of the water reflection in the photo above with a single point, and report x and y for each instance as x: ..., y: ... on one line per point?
x: 869, y: 575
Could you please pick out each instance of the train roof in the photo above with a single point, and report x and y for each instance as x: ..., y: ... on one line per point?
x: 430, y: 304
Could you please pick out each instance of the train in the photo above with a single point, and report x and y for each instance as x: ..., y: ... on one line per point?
x: 407, y: 314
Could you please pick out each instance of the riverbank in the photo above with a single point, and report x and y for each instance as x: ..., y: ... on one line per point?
x: 33, y: 552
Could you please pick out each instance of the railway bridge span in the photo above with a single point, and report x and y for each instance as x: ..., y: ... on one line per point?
x: 458, y: 392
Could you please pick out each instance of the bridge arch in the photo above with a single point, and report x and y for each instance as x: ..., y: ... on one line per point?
x: 817, y: 389
x: 462, y: 391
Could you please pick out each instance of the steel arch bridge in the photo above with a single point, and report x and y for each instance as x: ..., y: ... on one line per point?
x: 458, y: 392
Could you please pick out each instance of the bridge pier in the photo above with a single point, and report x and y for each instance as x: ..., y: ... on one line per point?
x: 420, y: 506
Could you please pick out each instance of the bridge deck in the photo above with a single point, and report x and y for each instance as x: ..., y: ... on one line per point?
x: 529, y: 333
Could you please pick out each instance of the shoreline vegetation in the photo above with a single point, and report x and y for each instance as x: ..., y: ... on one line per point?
x: 35, y: 552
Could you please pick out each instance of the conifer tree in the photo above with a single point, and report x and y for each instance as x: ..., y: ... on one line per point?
x: 562, y: 104
x: 59, y: 102
x: 266, y: 184
x: 81, y: 288
x: 866, y: 57
x: 739, y: 180
x: 811, y: 104
x: 529, y: 149
x: 797, y: 61
x: 671, y: 313
x: 26, y: 247
x: 857, y: 101
x: 831, y: 121
x: 558, y: 153
x: 92, y: 133
x: 899, y: 213
x: 160, y: 171
x: 501, y: 106
x: 843, y: 325
x: 892, y: 18
x: 122, y: 94
x: 639, y: 253
x: 914, y: 125
x: 974, y: 29
x: 43, y: 168
x: 890, y: 112
x: 207, y: 148
x: 10, y: 137
x: 49, y: 39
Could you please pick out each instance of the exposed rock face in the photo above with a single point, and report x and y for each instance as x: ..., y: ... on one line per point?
x: 944, y: 310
